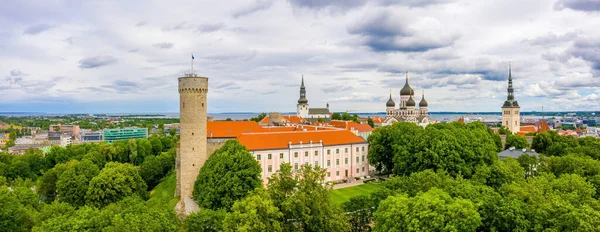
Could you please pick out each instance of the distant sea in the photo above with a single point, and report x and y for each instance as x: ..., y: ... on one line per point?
x: 439, y: 116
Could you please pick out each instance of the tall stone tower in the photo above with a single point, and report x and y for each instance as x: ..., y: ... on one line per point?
x: 511, y: 117
x: 191, y: 152
x: 302, y: 106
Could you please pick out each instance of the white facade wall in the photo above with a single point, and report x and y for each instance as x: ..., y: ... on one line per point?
x: 340, y: 161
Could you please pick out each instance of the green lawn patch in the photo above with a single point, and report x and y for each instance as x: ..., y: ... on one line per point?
x: 163, y: 194
x: 339, y: 196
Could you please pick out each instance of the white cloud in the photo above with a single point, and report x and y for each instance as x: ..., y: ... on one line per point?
x: 255, y: 51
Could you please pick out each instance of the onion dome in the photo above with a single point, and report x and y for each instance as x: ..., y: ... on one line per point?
x: 406, y: 90
x: 410, y: 102
x: 423, y: 103
x: 390, y: 102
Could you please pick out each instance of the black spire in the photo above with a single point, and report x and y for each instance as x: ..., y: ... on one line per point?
x: 511, y: 96
x: 302, y: 99
x: 510, y: 99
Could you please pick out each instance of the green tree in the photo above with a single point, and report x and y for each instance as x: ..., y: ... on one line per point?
x: 115, y: 182
x: 529, y: 163
x: 135, y: 215
x: 161, y: 128
x: 157, y: 146
x: 259, y: 117
x: 388, y: 141
x: 516, y: 141
x: 205, y: 220
x: 36, y: 161
x: 168, y: 142
x: 19, y: 168
x: 504, y: 131
x: 360, y: 208
x: 336, y: 116
x: 14, y: 215
x: 172, y: 131
x: 144, y: 149
x: 370, y: 122
x: 133, y: 151
x: 354, y: 118
x: 229, y: 174
x: 434, y: 210
x: 254, y: 213
x: 304, y: 200
x: 96, y: 157
x: 73, y: 181
x: 151, y: 171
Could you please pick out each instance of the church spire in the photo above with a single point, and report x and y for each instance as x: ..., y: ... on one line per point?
x: 510, y: 89
x: 302, y: 99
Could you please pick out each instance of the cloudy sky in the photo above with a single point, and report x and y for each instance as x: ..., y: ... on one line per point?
x: 125, y: 56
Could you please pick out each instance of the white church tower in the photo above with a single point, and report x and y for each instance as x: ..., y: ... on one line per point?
x: 511, y: 117
x: 302, y: 107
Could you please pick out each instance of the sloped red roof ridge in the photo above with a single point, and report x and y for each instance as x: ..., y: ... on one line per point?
x: 230, y: 129
x: 288, y: 118
x: 360, y: 127
x: 281, y: 140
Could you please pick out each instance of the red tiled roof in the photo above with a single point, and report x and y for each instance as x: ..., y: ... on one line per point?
x: 281, y: 140
x: 543, y: 127
x: 339, y: 123
x: 378, y: 120
x: 528, y: 129
x: 230, y: 129
x: 362, y: 127
x: 287, y: 118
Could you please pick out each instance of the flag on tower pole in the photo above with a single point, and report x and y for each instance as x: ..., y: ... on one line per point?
x: 192, y: 63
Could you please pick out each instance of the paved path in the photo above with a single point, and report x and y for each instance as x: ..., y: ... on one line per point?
x: 351, y: 184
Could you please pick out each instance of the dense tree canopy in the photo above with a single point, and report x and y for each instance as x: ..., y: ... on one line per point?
x: 304, y: 200
x: 434, y: 210
x: 516, y: 141
x: 404, y: 148
x: 229, y: 174
x: 115, y: 182
x: 254, y: 213
x: 73, y: 180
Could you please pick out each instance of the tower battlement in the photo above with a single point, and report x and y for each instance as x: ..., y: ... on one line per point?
x: 193, y: 83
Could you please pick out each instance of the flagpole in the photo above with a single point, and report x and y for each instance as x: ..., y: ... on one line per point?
x: 192, y: 63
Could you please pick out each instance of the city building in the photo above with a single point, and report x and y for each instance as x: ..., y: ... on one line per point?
x: 310, y: 114
x: 88, y: 136
x: 360, y: 129
x: 276, y: 119
x: 192, y: 146
x: 515, y: 153
x: 4, y: 138
x: 20, y: 149
x: 341, y: 152
x: 111, y: 135
x: 66, y: 129
x: 24, y: 140
x: 511, y: 117
x: 406, y: 111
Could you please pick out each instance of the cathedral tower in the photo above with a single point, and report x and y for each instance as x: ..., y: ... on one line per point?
x: 302, y: 107
x: 191, y: 152
x: 511, y: 117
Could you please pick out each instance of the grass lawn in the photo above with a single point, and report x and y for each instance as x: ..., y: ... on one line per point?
x: 163, y: 194
x: 339, y: 196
